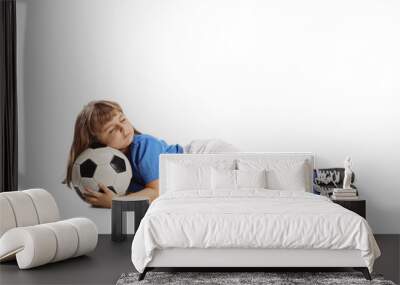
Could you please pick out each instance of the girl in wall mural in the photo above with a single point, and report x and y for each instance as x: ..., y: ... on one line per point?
x: 104, y: 122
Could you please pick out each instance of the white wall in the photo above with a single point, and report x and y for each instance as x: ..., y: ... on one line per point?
x: 265, y: 75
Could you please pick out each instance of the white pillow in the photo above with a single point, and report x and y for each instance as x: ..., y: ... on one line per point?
x: 227, y: 179
x: 293, y: 178
x: 251, y: 178
x: 223, y: 179
x: 182, y: 177
x: 282, y: 174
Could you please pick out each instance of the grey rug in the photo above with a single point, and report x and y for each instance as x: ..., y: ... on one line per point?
x: 225, y: 278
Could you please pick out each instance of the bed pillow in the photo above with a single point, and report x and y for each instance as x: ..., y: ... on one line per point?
x: 182, y: 177
x: 282, y: 174
x: 251, y: 178
x: 293, y: 178
x: 223, y: 179
x: 227, y: 179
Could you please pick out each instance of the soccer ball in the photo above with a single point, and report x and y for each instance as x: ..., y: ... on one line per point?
x: 101, y: 164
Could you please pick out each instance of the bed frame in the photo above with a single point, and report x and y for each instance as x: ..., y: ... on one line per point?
x: 241, y: 259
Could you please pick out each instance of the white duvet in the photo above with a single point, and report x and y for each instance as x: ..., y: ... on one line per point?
x: 250, y: 218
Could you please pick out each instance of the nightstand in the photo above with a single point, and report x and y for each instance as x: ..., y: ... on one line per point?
x: 357, y: 206
x: 122, y: 204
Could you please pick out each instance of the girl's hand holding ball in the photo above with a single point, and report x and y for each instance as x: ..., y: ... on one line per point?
x: 103, y: 198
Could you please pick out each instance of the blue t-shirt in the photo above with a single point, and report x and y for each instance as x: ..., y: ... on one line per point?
x: 144, y: 158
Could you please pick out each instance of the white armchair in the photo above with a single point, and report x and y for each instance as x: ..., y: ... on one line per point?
x: 31, y: 230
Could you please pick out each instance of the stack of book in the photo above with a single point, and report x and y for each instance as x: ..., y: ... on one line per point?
x: 344, y: 194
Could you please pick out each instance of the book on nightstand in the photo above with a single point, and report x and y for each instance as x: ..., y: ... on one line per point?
x: 344, y: 194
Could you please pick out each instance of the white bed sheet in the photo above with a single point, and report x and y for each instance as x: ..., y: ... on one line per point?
x: 250, y: 218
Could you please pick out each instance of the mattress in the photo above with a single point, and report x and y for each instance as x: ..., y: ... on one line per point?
x: 251, y: 219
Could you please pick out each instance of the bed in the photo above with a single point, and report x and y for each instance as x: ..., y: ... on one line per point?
x: 247, y: 210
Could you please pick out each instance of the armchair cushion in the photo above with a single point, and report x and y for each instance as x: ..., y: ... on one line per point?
x: 40, y: 244
x: 31, y: 230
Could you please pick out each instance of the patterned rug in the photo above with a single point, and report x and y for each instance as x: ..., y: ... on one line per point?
x: 270, y: 278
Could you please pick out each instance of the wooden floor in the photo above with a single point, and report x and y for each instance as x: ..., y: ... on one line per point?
x: 110, y: 260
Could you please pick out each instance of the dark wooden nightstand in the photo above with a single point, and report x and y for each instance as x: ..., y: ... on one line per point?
x: 357, y: 206
x: 122, y: 204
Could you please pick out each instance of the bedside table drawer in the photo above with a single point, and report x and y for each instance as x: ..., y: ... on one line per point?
x: 357, y: 206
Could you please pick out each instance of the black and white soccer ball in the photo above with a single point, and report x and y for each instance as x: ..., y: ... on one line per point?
x: 101, y: 164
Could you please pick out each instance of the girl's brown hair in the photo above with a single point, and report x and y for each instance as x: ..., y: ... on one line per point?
x: 90, y: 120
